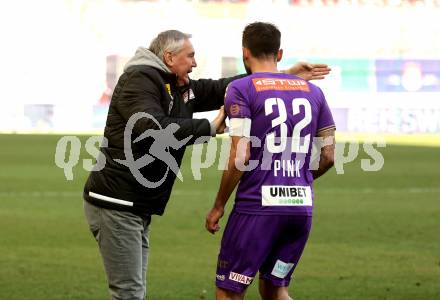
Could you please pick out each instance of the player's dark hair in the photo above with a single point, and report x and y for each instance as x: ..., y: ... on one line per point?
x: 262, y: 39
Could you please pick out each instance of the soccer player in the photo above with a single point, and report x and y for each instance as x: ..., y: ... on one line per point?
x: 274, y: 119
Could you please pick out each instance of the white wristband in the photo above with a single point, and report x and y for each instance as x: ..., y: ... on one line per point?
x: 240, y: 127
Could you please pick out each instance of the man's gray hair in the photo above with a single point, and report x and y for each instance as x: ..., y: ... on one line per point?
x: 168, y: 41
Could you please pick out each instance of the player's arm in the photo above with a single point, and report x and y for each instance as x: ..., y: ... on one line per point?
x: 327, y: 155
x: 237, y: 108
x: 238, y: 160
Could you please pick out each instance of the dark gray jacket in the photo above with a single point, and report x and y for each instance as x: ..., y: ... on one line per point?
x: 148, y: 86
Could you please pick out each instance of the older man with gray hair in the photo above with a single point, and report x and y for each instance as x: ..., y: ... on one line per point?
x: 118, y: 204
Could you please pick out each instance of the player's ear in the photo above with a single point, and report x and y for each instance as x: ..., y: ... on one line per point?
x: 280, y: 54
x: 246, y: 53
x: 168, y: 58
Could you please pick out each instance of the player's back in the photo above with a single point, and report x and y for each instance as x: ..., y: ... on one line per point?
x: 285, y: 113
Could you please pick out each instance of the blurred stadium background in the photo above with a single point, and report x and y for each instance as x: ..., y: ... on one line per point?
x: 375, y: 234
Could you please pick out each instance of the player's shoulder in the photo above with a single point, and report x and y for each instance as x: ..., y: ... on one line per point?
x: 312, y: 87
x: 312, y: 90
x: 238, y: 87
x: 240, y: 82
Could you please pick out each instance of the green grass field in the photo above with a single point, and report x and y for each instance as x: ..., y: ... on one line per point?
x: 375, y: 235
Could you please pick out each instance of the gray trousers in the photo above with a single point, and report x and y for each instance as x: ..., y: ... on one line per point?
x: 123, y: 243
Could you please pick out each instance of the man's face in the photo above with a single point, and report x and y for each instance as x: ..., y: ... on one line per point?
x: 182, y: 62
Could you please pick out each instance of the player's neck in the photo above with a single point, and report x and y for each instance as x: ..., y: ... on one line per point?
x: 264, y: 66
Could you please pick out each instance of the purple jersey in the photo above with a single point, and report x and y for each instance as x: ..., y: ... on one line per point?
x: 284, y: 113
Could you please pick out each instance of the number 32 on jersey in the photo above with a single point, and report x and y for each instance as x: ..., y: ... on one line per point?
x: 299, y: 144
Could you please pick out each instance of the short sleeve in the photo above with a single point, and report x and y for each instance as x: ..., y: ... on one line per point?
x: 238, y: 110
x: 325, y: 118
x: 236, y: 105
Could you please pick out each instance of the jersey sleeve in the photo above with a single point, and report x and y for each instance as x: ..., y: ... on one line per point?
x: 238, y: 110
x: 325, y: 119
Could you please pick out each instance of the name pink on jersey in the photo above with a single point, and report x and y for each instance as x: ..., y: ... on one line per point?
x: 286, y: 113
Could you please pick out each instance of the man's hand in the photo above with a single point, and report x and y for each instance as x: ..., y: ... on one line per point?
x: 213, y: 218
x: 309, y: 71
x: 219, y: 121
